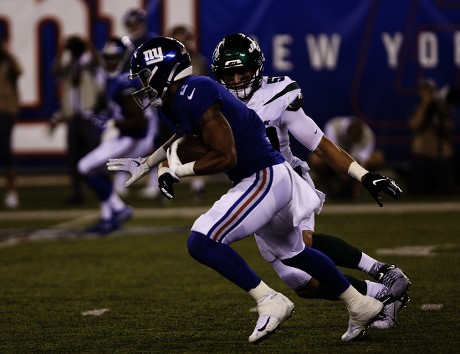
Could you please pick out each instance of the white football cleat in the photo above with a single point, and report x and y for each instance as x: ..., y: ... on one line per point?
x: 361, y: 318
x: 387, y: 318
x: 273, y: 311
x: 394, y: 279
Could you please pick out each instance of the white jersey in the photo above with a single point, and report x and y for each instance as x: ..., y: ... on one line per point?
x: 272, y: 103
x: 275, y: 103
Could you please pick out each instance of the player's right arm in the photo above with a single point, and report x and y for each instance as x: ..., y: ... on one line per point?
x: 305, y: 130
x: 342, y: 162
x: 140, y: 166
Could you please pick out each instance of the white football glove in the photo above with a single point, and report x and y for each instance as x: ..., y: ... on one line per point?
x: 173, y: 160
x: 138, y: 167
x: 177, y: 168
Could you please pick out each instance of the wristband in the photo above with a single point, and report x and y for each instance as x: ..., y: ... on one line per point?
x: 185, y: 170
x: 163, y: 170
x: 158, y: 156
x: 356, y: 171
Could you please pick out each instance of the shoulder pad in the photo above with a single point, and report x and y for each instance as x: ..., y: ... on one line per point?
x: 297, y: 103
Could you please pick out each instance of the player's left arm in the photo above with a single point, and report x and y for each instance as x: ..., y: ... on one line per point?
x: 342, y: 162
x: 218, y: 138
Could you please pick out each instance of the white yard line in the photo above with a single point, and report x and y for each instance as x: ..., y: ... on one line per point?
x: 74, y: 219
x: 369, y: 208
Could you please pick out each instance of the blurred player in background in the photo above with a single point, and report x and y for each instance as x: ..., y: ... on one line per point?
x: 134, y: 137
x: 136, y: 24
x: 80, y: 74
x: 137, y: 27
x: 265, y: 193
x: 10, y: 70
x: 238, y: 65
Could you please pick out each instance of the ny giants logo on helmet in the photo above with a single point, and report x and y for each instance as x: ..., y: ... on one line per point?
x: 154, y: 55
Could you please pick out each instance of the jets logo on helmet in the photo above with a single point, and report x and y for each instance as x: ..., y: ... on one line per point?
x: 158, y: 63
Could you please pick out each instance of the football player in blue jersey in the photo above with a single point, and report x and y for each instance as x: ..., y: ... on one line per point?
x: 265, y: 193
x: 238, y: 64
x: 135, y: 136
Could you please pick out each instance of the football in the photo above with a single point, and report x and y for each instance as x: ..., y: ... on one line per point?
x: 191, y: 148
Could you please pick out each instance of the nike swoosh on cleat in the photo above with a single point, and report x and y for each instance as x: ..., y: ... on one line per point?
x: 137, y: 163
x: 378, y: 180
x: 264, y: 326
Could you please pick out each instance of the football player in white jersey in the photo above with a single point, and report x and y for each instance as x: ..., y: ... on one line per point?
x: 238, y: 65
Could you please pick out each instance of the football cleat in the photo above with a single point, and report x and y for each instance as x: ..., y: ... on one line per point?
x: 119, y: 217
x: 273, y: 311
x: 361, y: 318
x: 102, y: 227
x: 394, y: 279
x: 387, y: 318
x: 385, y: 295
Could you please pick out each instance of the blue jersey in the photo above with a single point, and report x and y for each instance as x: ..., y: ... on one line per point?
x: 119, y: 88
x: 195, y: 96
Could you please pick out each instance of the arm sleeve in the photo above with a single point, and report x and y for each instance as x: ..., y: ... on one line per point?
x: 303, y: 128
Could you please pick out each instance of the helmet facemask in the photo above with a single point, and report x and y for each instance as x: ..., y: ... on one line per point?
x: 241, y: 81
x: 147, y: 95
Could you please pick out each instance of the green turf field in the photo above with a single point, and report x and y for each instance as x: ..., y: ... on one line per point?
x: 138, y: 291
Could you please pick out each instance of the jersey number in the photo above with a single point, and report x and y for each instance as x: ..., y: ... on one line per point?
x: 274, y: 79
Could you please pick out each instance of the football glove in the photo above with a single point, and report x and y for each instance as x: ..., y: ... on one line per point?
x: 166, y: 180
x: 171, y: 154
x: 138, y: 167
x: 376, y: 183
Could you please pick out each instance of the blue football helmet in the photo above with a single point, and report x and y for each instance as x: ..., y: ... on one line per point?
x: 158, y: 63
x: 116, y: 53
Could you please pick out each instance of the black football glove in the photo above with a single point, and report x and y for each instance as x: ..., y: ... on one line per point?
x: 166, y: 184
x: 376, y: 183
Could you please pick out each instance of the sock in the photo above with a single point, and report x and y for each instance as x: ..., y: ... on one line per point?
x: 101, y: 185
x: 374, y: 288
x: 223, y: 259
x: 369, y: 265
x: 340, y: 252
x: 351, y: 297
x: 115, y: 202
x: 260, y: 292
x: 321, y: 268
x: 106, y: 211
